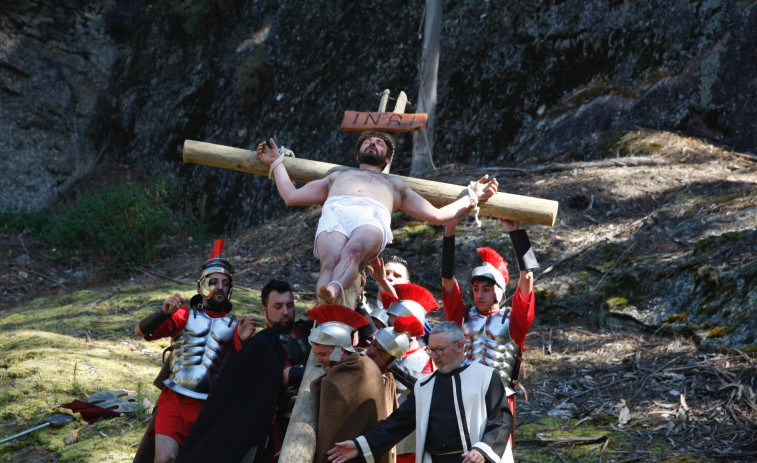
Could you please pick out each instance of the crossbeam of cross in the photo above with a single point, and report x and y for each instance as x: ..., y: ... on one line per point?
x: 502, y: 205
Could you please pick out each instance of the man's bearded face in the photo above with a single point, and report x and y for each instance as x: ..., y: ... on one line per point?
x: 221, y: 285
x: 279, y: 311
x: 373, y: 152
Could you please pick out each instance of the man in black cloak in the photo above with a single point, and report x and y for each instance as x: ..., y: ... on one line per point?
x: 246, y: 414
x: 237, y: 417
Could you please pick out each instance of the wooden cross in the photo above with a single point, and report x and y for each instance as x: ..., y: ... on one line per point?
x: 503, y: 205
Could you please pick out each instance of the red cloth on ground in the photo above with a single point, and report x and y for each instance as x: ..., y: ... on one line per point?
x: 91, y: 413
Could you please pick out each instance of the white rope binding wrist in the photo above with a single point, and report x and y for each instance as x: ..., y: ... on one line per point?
x: 473, y: 198
x: 283, y: 151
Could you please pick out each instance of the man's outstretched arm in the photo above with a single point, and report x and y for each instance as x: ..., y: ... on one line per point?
x: 315, y: 192
x: 417, y: 206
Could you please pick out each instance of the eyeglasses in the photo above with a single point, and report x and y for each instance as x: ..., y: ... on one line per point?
x: 437, y: 351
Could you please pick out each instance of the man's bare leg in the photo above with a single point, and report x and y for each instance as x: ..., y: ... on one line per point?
x: 166, y: 449
x: 329, y: 247
x: 364, y: 244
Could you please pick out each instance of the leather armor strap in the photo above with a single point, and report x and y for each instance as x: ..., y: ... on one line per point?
x: 365, y: 332
x: 524, y: 253
x: 296, y: 349
x: 448, y: 257
x: 150, y: 323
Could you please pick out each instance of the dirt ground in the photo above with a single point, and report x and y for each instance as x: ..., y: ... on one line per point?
x: 659, y: 395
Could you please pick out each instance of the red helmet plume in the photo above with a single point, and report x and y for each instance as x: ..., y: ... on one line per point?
x: 492, y: 257
x: 217, y: 248
x: 419, y: 294
x: 337, y: 313
x: 409, y: 324
x: 387, y: 299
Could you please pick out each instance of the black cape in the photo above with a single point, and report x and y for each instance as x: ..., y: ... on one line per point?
x: 238, y: 413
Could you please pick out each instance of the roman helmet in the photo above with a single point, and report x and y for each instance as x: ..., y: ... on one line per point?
x: 380, y: 314
x: 494, y: 268
x: 336, y: 323
x: 411, y: 299
x: 396, y: 339
x: 214, y: 264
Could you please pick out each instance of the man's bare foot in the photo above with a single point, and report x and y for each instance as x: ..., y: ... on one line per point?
x: 326, y: 294
x: 330, y: 292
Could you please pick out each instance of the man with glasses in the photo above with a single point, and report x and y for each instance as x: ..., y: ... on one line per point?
x: 459, y: 412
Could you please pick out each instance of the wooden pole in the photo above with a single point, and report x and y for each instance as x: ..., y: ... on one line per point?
x: 300, y: 439
x: 502, y: 205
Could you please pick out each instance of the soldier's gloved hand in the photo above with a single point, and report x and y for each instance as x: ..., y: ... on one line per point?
x: 295, y: 352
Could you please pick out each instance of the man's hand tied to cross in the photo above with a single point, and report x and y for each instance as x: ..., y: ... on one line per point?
x: 355, y: 221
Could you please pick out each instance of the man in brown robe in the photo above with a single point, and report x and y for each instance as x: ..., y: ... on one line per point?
x: 352, y: 395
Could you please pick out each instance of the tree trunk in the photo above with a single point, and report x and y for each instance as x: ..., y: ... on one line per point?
x: 423, y: 142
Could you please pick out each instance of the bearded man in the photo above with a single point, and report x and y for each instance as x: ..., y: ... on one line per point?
x: 247, y: 413
x: 357, y: 204
x: 202, y: 333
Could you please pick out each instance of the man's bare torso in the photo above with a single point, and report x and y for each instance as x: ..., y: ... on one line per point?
x: 368, y: 184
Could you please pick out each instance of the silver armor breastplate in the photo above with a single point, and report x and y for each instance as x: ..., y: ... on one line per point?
x: 198, y: 353
x: 487, y: 341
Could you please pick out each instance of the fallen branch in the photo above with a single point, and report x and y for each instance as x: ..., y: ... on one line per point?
x: 577, y: 440
x: 165, y: 277
x: 48, y: 278
x: 559, y: 166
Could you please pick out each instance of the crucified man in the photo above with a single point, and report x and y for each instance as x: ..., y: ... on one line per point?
x: 355, y: 221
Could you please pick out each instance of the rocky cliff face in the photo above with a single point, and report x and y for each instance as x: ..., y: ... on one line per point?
x: 518, y: 83
x: 56, y: 62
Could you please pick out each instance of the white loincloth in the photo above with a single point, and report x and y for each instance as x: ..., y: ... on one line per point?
x: 345, y: 213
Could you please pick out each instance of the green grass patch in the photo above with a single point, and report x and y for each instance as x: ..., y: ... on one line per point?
x: 58, y: 349
x: 573, y: 440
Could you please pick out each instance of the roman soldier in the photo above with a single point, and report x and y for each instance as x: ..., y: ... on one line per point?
x: 351, y: 396
x: 202, y: 336
x: 495, y: 334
